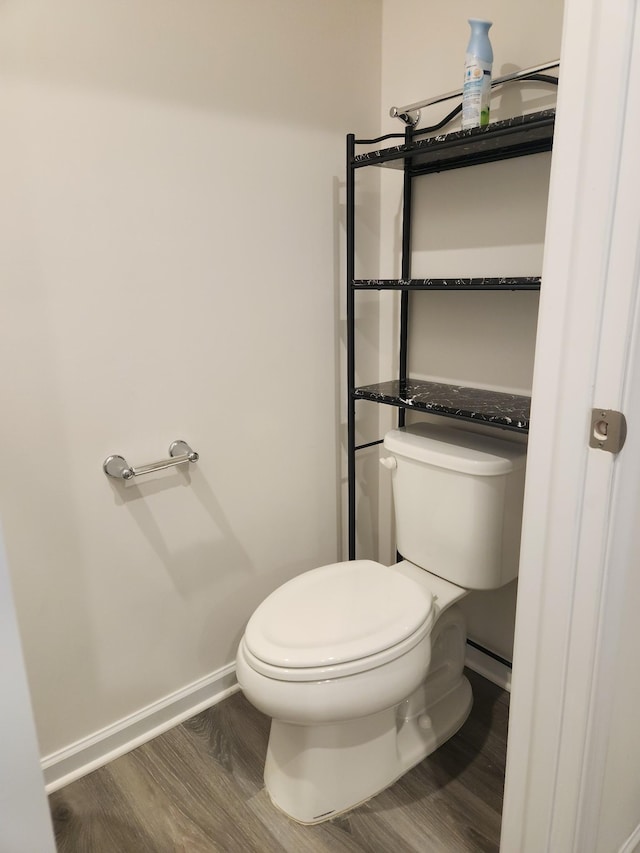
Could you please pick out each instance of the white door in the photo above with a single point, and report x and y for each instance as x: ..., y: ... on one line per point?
x: 573, y: 778
x: 25, y: 826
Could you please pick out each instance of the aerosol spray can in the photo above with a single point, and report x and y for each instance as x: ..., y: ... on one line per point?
x: 476, y: 91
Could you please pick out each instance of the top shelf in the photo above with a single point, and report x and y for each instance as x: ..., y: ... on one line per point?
x: 502, y: 140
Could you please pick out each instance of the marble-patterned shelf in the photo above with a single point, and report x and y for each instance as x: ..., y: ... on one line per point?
x: 510, y: 411
x: 514, y: 137
x: 502, y: 283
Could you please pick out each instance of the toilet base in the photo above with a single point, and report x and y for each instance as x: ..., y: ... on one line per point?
x: 313, y: 773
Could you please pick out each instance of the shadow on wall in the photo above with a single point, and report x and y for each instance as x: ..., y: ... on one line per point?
x: 509, y: 100
x: 134, y: 48
x: 189, y: 568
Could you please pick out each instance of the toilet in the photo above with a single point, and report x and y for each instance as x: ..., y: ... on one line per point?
x: 360, y: 665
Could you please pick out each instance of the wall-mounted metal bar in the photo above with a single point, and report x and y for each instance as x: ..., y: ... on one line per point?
x: 118, y: 467
x: 403, y: 113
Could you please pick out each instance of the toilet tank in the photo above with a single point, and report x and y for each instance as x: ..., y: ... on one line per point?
x: 458, y: 503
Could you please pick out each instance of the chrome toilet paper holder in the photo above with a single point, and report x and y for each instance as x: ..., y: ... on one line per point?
x: 179, y: 452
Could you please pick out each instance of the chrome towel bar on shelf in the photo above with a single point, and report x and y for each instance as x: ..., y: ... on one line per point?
x: 404, y: 113
x: 119, y: 468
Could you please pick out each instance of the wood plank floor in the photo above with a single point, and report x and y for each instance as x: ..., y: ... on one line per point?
x: 198, y: 789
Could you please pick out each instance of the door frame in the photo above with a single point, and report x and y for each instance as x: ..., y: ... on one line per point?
x: 567, y: 611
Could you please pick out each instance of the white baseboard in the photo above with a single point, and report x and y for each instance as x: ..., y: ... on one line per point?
x: 488, y: 667
x: 98, y: 749
x: 82, y: 757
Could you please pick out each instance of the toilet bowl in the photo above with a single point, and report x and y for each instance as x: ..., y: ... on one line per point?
x: 360, y: 665
x: 345, y: 681
x: 338, y: 642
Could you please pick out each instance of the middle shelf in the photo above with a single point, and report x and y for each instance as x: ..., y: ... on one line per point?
x: 502, y: 283
x: 510, y: 411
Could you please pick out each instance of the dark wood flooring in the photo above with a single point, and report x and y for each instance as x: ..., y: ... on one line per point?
x: 198, y: 788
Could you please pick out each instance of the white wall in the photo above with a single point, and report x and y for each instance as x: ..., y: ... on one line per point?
x: 172, y: 212
x: 488, y: 220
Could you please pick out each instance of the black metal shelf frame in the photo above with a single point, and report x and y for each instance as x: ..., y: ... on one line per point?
x: 502, y: 140
x: 513, y: 283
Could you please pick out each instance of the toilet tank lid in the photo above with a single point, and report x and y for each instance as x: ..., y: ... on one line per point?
x: 337, y: 613
x: 456, y: 449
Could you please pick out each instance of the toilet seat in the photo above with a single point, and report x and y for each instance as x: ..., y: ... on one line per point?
x: 337, y: 620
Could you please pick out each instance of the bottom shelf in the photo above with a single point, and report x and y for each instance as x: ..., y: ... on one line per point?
x: 510, y: 411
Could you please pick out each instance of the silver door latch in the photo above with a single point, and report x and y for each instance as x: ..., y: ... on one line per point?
x: 608, y: 430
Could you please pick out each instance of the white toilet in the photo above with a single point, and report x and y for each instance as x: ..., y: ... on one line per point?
x: 359, y: 664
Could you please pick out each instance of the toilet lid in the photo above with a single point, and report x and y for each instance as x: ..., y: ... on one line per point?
x: 335, y: 614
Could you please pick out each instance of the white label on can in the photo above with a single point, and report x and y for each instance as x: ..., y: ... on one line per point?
x: 476, y: 92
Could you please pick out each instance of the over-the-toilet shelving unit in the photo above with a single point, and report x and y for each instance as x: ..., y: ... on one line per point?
x: 416, y: 156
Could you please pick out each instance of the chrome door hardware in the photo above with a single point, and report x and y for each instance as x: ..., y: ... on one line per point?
x: 608, y: 430
x: 119, y: 468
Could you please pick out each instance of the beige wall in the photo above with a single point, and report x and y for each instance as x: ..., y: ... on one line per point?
x: 488, y: 220
x: 171, y: 210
